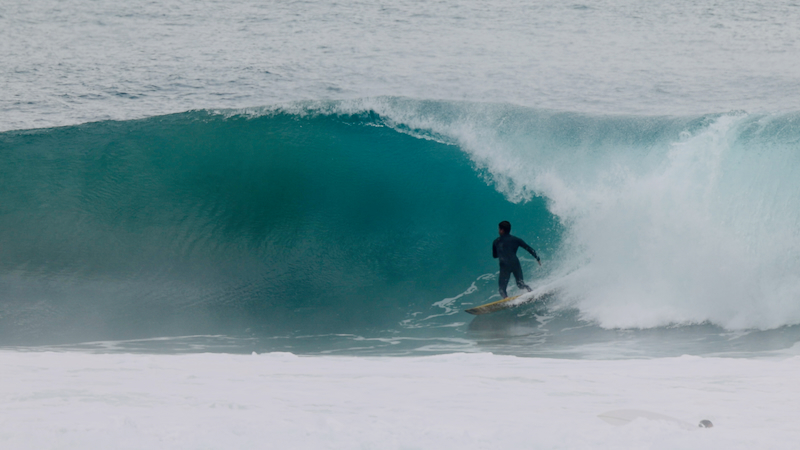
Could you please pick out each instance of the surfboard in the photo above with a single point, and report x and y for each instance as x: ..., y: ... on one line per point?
x: 540, y: 293
x: 493, y: 306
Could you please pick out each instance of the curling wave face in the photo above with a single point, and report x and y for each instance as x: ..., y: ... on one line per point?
x: 335, y: 216
x: 199, y: 222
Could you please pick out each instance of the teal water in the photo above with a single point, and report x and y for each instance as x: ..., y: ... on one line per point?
x: 334, y: 227
x: 197, y: 223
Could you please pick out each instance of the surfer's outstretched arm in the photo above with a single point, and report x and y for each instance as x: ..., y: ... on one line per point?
x: 530, y: 250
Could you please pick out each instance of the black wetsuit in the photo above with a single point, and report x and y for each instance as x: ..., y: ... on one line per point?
x: 505, y: 249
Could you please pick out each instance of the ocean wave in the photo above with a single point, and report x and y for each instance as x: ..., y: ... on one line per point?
x: 335, y: 215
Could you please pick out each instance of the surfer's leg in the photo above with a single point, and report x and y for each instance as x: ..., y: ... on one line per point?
x: 518, y: 276
x: 502, y: 279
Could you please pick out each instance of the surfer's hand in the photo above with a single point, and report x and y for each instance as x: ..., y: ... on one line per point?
x: 540, y: 262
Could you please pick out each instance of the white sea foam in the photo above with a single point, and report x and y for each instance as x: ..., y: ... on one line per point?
x: 458, y: 401
x: 695, y: 239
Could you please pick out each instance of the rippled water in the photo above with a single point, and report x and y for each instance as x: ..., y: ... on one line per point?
x: 67, y: 62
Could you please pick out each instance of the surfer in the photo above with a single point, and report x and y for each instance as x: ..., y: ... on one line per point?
x: 505, y: 249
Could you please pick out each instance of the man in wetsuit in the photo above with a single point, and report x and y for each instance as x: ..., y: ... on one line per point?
x: 505, y: 249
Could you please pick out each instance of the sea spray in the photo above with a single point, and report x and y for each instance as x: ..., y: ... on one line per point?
x: 668, y: 220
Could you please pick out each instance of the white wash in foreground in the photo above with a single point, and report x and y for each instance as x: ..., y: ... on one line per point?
x: 460, y: 401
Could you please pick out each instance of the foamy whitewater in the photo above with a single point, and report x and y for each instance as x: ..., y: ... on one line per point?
x: 241, y: 224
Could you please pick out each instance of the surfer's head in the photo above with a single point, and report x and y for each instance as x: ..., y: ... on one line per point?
x: 505, y: 227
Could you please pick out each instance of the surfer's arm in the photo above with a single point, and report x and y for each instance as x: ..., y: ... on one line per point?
x: 494, y: 249
x: 530, y: 250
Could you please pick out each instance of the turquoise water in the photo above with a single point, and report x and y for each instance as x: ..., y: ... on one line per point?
x: 330, y: 227
x: 197, y: 223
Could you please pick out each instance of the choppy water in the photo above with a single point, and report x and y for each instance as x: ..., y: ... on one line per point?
x: 67, y: 62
